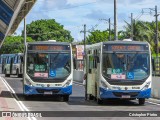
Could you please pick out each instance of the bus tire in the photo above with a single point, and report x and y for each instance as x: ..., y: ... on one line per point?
x: 17, y: 73
x: 66, y: 98
x: 6, y: 75
x: 20, y: 75
x: 26, y: 97
x: 91, y: 97
x: 141, y: 101
x: 99, y: 101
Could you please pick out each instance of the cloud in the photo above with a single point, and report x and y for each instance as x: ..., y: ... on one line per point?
x: 71, y: 13
x: 76, y: 2
x: 122, y: 17
x: 55, y: 4
x: 96, y: 15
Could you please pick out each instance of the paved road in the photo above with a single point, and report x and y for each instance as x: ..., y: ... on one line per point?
x: 77, y: 103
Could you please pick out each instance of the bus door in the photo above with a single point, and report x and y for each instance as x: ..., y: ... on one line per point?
x: 14, y: 65
x: 20, y: 61
x: 11, y: 65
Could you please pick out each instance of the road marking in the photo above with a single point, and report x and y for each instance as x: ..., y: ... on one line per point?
x: 20, y: 103
x: 152, y: 103
x: 79, y: 84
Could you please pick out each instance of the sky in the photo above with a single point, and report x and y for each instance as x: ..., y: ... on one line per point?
x: 73, y: 14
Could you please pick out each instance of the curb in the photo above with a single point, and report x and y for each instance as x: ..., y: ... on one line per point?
x: 155, y: 100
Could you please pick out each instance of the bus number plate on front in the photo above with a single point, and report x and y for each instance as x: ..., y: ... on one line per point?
x: 48, y: 92
x: 126, y: 96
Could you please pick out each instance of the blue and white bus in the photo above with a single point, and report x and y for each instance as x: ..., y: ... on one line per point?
x: 119, y: 69
x: 48, y: 69
x: 11, y: 64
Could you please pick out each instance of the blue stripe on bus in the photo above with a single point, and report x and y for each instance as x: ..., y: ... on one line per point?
x: 109, y: 93
x: 30, y: 90
x: 6, y: 13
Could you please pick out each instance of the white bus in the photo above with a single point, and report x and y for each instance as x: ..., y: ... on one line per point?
x: 119, y: 69
x: 48, y: 69
x: 13, y: 64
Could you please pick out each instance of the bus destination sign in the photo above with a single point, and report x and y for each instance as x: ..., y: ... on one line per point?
x: 48, y: 47
x: 126, y: 47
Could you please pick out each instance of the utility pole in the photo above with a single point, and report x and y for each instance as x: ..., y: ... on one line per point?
x: 109, y: 27
x: 157, y: 42
x: 131, y: 26
x: 156, y: 30
x: 109, y: 21
x: 24, y: 32
x: 85, y: 60
x: 115, y: 20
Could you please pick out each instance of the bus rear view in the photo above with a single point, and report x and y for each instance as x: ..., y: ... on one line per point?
x: 48, y: 69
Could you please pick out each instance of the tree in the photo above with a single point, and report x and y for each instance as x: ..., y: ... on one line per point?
x: 97, y: 36
x: 102, y: 36
x: 143, y: 31
x: 42, y: 30
x: 14, y: 44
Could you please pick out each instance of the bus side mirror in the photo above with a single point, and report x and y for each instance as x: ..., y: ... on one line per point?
x: 153, y: 65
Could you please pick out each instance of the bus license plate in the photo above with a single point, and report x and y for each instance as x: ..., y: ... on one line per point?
x: 126, y: 96
x: 48, y: 92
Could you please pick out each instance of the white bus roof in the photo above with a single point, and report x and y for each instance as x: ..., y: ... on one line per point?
x: 49, y: 42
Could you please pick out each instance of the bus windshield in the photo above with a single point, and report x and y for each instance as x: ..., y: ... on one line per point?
x: 49, y: 65
x: 126, y: 66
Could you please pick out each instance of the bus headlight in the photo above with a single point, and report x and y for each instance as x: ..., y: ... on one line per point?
x: 27, y: 82
x: 67, y: 83
x: 146, y: 86
x: 104, y: 85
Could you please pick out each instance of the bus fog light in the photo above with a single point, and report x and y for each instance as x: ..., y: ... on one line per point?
x: 146, y: 86
x: 67, y: 83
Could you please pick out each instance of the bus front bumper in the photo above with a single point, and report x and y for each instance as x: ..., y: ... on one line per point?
x: 126, y: 94
x: 30, y: 90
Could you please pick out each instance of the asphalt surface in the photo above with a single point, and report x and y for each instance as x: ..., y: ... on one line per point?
x: 78, y: 103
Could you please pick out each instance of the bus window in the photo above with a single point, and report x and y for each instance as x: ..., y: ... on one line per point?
x: 15, y: 60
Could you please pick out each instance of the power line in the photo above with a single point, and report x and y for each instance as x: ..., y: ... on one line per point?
x: 68, y: 7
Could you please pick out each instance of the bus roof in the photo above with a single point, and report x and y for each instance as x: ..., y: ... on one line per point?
x: 125, y: 42
x: 49, y: 42
x: 13, y: 54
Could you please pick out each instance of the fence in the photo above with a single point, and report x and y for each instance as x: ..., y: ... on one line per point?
x: 156, y: 62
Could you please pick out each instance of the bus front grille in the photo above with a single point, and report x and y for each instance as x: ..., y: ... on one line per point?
x: 51, y: 90
x: 119, y: 94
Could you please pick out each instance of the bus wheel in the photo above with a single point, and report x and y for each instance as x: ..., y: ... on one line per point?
x: 65, y: 98
x: 6, y: 75
x: 141, y: 101
x: 20, y: 75
x: 17, y: 73
x: 99, y: 101
x: 91, y: 97
x: 26, y: 97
